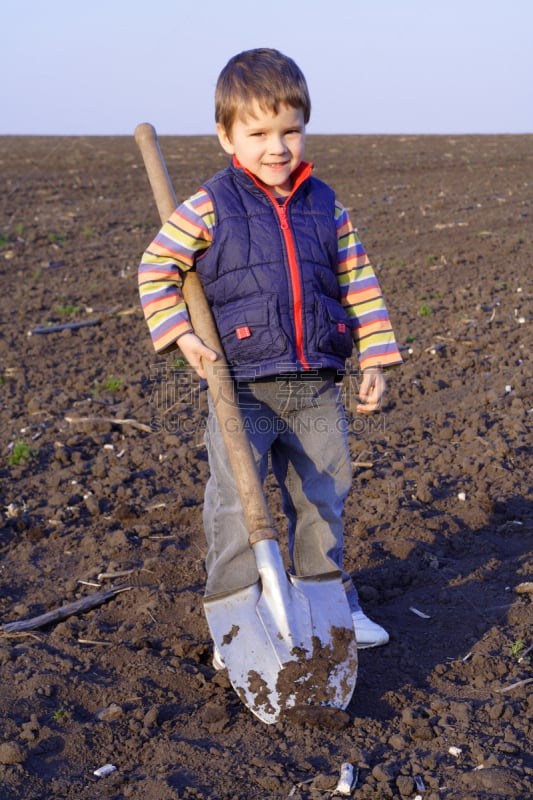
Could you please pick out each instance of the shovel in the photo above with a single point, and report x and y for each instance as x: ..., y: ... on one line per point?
x: 287, y: 642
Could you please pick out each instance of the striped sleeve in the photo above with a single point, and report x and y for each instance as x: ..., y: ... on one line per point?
x: 188, y: 232
x: 361, y: 296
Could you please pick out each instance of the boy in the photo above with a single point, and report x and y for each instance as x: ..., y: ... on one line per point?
x: 291, y: 290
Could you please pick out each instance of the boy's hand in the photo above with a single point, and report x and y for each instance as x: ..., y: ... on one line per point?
x: 371, y: 390
x: 194, y: 351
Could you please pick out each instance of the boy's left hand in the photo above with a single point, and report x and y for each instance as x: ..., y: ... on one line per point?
x: 371, y: 390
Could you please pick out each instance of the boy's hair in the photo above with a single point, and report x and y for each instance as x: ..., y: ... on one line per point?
x: 264, y: 75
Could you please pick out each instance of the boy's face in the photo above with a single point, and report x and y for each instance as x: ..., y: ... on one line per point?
x: 269, y: 145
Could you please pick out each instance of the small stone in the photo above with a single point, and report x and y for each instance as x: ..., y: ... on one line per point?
x: 102, y: 772
x: 398, y: 741
x: 150, y: 718
x: 112, y: 712
x: 92, y: 505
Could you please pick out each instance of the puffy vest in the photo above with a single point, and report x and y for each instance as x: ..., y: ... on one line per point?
x: 270, y: 276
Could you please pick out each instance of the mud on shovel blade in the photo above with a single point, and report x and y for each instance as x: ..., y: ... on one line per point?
x: 286, y: 641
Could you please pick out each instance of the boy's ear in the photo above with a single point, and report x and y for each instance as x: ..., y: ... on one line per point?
x: 225, y: 141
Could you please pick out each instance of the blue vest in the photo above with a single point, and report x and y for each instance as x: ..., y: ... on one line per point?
x: 270, y: 276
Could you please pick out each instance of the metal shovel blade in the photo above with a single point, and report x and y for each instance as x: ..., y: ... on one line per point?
x: 286, y: 641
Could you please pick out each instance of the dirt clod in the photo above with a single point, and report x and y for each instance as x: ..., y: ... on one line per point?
x: 11, y: 753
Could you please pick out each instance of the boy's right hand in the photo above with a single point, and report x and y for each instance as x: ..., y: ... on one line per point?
x: 371, y: 390
x: 194, y: 351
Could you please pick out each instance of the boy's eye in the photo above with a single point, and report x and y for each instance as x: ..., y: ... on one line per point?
x: 289, y: 132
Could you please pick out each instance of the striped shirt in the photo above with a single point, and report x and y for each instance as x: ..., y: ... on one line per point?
x: 190, y: 231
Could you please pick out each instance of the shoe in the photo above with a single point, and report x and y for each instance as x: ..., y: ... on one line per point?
x: 218, y: 661
x: 368, y: 633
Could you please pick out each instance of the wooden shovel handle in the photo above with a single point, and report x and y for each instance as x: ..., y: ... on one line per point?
x: 219, y: 378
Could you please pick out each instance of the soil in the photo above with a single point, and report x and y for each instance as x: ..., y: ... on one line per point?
x: 102, y: 470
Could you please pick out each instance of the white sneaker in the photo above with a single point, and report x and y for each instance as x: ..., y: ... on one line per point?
x: 368, y: 633
x: 218, y: 661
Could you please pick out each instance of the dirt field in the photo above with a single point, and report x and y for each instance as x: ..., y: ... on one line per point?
x: 102, y: 469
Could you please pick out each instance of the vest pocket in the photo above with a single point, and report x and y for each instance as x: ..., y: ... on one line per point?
x: 334, y: 330
x: 250, y: 331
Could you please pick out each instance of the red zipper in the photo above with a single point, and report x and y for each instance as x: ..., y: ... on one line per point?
x: 294, y: 272
x: 296, y: 283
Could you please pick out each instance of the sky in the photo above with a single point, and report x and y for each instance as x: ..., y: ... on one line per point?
x: 373, y: 66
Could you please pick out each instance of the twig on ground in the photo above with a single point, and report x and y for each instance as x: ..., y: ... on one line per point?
x: 127, y: 311
x: 68, y: 326
x: 63, y: 612
x: 524, y: 654
x: 94, y: 642
x: 114, y: 421
x: 434, y: 348
x: 107, y: 575
x: 18, y: 635
x: 515, y: 685
x: 363, y: 464
x: 419, y: 613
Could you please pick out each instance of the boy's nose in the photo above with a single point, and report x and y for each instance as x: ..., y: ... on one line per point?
x: 277, y: 145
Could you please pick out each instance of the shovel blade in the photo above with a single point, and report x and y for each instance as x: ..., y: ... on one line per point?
x: 286, y: 642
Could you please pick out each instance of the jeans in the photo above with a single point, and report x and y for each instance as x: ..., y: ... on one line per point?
x: 302, y: 424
